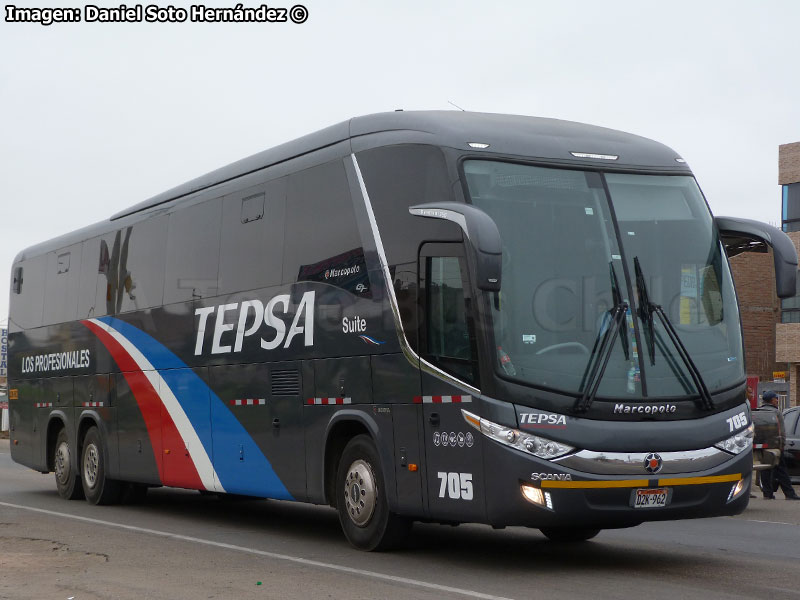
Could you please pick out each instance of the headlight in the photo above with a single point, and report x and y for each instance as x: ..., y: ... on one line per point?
x: 738, y: 443
x: 519, y: 440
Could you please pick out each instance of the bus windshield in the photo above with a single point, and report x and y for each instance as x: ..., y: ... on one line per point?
x: 584, y: 252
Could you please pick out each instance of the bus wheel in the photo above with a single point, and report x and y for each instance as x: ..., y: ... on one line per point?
x: 568, y: 534
x: 361, y: 499
x: 67, y: 481
x: 97, y: 487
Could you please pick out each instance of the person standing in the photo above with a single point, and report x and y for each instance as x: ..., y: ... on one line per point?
x: 779, y: 474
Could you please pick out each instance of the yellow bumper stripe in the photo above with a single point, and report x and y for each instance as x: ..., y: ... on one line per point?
x: 632, y: 483
x: 620, y: 483
x: 700, y: 480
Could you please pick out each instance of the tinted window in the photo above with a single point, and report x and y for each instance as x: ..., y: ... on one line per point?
x: 61, y: 285
x: 321, y: 231
x: 446, y: 331
x: 791, y: 204
x: 193, y: 252
x: 25, y: 309
x: 397, y: 177
x: 87, y: 280
x: 129, y: 263
x: 251, y: 249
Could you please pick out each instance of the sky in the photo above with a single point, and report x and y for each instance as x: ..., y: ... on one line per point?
x: 95, y: 117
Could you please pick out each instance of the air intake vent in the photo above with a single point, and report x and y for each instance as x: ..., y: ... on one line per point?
x: 286, y: 383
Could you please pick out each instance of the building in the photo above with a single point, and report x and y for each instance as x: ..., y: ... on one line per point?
x: 787, y: 333
x: 760, y: 311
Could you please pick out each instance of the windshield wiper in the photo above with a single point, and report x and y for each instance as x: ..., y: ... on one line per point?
x: 617, y: 302
x: 646, y: 311
x: 601, y: 353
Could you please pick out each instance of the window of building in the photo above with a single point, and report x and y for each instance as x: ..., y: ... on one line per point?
x: 790, y: 307
x: 790, y: 214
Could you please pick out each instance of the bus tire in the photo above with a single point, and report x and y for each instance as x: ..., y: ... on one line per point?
x: 569, y: 534
x: 96, y: 486
x: 361, y: 499
x: 67, y: 481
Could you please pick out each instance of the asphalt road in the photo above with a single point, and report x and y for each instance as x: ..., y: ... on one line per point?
x: 180, y: 544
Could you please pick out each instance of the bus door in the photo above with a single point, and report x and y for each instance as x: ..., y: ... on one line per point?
x: 454, y: 466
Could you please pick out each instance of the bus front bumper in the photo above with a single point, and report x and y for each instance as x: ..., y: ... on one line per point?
x: 537, y: 493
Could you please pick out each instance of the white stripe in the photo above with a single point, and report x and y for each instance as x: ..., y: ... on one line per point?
x: 201, y: 460
x: 273, y: 555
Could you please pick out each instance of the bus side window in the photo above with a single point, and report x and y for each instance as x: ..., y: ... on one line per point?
x: 321, y: 231
x: 61, y: 285
x: 251, y: 244
x: 124, y: 269
x: 26, y: 307
x: 446, y: 328
x: 192, y: 265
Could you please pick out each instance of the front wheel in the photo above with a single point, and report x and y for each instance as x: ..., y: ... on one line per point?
x: 67, y: 481
x: 361, y: 499
x: 96, y: 486
x: 568, y: 534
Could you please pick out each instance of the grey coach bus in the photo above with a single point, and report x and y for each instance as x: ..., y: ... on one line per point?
x: 438, y: 316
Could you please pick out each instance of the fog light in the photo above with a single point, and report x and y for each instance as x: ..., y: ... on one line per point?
x: 533, y: 494
x: 737, y: 489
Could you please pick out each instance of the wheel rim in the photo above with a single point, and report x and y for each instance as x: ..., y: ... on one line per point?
x: 62, y: 462
x: 91, y: 461
x: 360, y: 492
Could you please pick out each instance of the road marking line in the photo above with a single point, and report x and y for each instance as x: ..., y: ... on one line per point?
x: 286, y: 557
x: 773, y: 522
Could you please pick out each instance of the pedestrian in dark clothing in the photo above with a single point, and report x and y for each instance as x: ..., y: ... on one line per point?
x: 778, y: 475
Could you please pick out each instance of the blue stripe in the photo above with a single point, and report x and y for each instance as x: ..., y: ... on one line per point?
x: 212, y: 422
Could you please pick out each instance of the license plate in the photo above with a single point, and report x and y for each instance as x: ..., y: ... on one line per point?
x: 651, y: 498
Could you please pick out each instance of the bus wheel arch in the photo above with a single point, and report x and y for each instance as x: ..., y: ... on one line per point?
x: 340, y: 432
x: 54, y: 427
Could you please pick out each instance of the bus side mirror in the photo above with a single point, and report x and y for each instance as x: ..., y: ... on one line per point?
x: 480, y: 230
x: 742, y: 235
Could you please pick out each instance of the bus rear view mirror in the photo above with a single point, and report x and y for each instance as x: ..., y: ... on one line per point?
x: 743, y: 235
x: 479, y: 229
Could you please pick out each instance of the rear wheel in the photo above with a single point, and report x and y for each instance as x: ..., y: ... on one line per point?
x: 361, y: 499
x: 67, y: 481
x: 97, y: 487
x: 569, y: 534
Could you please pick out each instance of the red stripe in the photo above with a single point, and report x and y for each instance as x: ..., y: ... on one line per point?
x: 436, y: 399
x: 160, y: 427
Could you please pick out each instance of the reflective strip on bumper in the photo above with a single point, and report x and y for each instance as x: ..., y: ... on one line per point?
x: 633, y: 483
